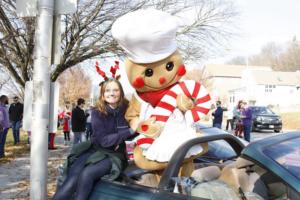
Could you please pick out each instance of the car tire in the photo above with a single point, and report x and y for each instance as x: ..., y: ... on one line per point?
x: 277, y: 131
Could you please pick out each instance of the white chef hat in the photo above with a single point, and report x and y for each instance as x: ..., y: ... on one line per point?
x: 146, y: 35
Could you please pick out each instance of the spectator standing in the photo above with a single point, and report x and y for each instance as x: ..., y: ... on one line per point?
x: 78, y: 121
x: 89, y: 130
x: 218, y: 116
x: 15, y: 117
x: 247, y: 120
x: 67, y: 124
x: 4, y: 123
x: 229, y: 116
x: 237, y: 111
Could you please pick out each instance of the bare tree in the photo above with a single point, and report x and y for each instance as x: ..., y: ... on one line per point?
x: 210, y: 31
x: 74, y: 83
x: 3, y: 79
x: 239, y: 60
x: 8, y: 85
x: 290, y: 59
x: 86, y: 34
x: 280, y: 57
x: 201, y: 76
x: 269, y: 56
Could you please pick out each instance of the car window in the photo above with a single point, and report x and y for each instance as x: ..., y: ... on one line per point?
x: 262, y: 110
x: 269, y: 185
x: 287, y: 154
x: 219, y: 150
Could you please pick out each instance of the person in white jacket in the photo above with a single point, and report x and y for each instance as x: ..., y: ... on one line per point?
x: 229, y: 117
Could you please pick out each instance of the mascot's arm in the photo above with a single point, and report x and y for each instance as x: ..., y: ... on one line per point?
x: 133, y: 113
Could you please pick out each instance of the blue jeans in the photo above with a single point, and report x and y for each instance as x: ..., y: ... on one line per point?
x: 217, y: 125
x: 78, y: 137
x: 2, y: 141
x: 16, y: 125
x: 88, y: 131
x: 81, y: 178
x: 247, y: 132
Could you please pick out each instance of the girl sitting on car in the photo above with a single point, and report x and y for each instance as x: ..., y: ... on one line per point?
x: 104, y: 157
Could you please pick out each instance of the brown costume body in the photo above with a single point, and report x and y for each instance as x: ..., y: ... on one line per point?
x: 153, y: 67
x: 152, y: 83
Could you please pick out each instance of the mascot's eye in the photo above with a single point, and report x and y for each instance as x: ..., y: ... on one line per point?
x: 148, y: 72
x: 169, y: 66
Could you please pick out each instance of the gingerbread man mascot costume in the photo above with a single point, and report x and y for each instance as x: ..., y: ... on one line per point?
x: 163, y: 109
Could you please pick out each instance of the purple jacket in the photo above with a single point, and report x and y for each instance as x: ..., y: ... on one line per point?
x: 110, y: 130
x: 247, y: 113
x: 4, y: 120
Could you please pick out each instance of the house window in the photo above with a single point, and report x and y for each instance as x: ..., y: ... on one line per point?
x: 268, y: 88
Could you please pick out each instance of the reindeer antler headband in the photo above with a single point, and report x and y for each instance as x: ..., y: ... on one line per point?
x: 113, y: 70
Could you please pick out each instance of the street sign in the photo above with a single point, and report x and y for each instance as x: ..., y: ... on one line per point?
x: 28, y: 8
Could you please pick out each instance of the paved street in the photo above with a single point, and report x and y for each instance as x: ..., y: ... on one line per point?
x: 254, y: 135
x: 263, y: 134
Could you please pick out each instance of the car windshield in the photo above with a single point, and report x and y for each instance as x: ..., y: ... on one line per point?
x: 262, y: 110
x: 286, y: 154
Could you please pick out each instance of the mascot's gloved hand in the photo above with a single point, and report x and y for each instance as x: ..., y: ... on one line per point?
x: 149, y: 128
x: 184, y: 103
x: 134, y: 124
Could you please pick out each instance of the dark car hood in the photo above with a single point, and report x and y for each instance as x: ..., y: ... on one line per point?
x: 266, y: 115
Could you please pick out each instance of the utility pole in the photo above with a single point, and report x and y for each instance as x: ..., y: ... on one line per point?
x: 47, y: 52
x: 41, y: 100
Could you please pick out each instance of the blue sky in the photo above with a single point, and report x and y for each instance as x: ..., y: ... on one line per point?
x: 263, y: 21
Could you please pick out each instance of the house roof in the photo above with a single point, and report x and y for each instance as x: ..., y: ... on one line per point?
x: 276, y: 77
x: 219, y: 70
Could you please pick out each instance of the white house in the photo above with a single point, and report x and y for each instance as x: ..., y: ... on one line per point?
x: 263, y: 87
x: 259, y: 85
x: 225, y: 78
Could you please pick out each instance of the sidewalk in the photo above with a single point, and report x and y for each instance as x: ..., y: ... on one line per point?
x: 15, y: 175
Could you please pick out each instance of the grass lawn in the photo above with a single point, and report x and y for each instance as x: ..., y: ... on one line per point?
x: 291, y: 120
x: 12, y: 151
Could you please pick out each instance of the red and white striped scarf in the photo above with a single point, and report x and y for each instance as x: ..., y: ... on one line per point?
x: 168, y: 103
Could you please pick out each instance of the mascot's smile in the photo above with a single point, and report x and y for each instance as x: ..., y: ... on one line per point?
x: 159, y: 87
x: 180, y: 72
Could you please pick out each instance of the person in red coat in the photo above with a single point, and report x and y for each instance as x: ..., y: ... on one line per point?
x: 67, y: 124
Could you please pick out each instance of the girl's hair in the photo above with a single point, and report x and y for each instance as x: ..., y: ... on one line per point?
x: 101, y: 104
x: 239, y: 104
x: 3, y: 99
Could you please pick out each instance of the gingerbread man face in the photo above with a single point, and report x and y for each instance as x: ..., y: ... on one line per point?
x: 155, y: 76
